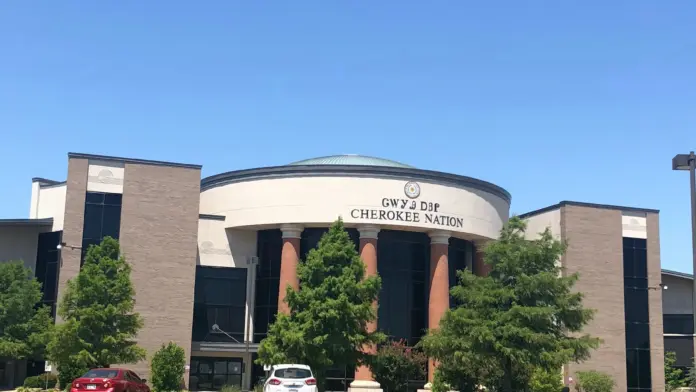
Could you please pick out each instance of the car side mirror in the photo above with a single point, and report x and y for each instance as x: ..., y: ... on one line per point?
x: 143, y: 380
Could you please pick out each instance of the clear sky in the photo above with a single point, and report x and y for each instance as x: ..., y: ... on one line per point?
x: 552, y: 100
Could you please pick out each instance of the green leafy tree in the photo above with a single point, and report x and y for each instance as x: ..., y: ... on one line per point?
x: 328, y: 316
x: 522, y: 316
x: 25, y: 329
x: 99, y: 325
x: 674, y: 377
x: 546, y: 381
x: 594, y: 381
x: 167, y: 368
x: 394, y: 364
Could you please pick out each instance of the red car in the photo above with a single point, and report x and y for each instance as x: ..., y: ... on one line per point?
x: 109, y: 380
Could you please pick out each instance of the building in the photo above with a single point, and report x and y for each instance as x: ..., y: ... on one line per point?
x: 209, y: 256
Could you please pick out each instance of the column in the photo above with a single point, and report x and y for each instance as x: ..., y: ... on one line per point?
x: 364, y: 380
x: 289, y: 258
x: 438, y: 302
x: 480, y: 267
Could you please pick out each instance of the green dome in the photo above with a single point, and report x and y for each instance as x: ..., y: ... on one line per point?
x: 356, y: 160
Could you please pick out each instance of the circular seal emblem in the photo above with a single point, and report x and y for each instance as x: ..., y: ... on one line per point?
x: 412, y: 189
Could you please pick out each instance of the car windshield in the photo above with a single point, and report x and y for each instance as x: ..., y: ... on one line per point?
x: 101, y: 373
x: 293, y: 373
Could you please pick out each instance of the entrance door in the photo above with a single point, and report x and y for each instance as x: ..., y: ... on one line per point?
x: 211, y: 374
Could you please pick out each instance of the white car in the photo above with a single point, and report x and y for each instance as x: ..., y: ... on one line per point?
x: 290, y: 378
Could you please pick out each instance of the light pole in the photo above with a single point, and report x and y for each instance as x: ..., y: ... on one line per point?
x: 688, y: 162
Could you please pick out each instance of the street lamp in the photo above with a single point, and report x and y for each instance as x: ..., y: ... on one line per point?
x: 688, y: 162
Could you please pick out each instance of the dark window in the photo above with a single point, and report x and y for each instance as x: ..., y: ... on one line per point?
x: 211, y: 374
x: 219, y: 299
x: 403, y: 264
x: 683, y: 348
x: 47, y: 255
x: 637, y: 317
x: 678, y: 324
x: 293, y: 373
x: 269, y: 245
x: 102, y: 218
x: 101, y: 373
x: 461, y: 254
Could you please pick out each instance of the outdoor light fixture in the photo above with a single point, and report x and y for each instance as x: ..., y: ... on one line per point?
x: 688, y: 162
x: 64, y: 245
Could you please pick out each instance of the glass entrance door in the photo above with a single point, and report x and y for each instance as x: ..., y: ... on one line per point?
x: 211, y: 374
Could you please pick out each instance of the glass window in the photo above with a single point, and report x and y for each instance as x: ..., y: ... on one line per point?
x: 102, y: 218
x: 293, y: 373
x: 219, y: 298
x: 212, y: 374
x: 101, y: 373
x: 678, y: 324
x: 636, y: 312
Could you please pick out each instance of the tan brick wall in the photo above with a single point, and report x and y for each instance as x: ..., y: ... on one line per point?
x: 657, y: 344
x: 159, y: 224
x: 73, y: 222
x: 595, y: 251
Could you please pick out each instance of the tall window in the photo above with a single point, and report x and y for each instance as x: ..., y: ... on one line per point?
x: 461, y: 255
x: 47, y: 267
x: 220, y: 299
x: 402, y: 262
x: 635, y: 266
x: 269, y: 245
x: 102, y: 218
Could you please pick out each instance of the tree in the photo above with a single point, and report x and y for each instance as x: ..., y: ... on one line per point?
x: 99, y: 325
x: 522, y: 316
x: 546, y: 381
x: 167, y: 368
x: 25, y: 327
x: 395, y: 363
x: 328, y: 316
x: 674, y: 377
x: 594, y: 381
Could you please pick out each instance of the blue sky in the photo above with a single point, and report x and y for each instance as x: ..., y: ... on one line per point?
x: 553, y: 100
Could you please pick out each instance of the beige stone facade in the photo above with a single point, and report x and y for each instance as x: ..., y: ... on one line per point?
x: 172, y: 223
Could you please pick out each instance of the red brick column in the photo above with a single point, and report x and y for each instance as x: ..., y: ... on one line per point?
x: 289, y: 258
x: 480, y: 267
x: 439, y: 285
x: 364, y: 379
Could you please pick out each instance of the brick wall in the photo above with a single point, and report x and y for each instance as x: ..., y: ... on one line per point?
x: 159, y: 224
x: 595, y: 250
x: 73, y: 222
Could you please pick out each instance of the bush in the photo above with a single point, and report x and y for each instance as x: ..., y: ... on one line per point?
x: 594, y: 381
x: 68, y: 372
x: 41, y: 381
x: 231, y: 388
x: 167, y: 368
x: 395, y: 363
x: 546, y: 381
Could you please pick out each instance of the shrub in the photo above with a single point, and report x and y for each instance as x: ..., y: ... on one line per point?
x: 41, y: 381
x: 67, y: 372
x: 546, y: 381
x: 167, y: 368
x: 594, y: 381
x: 394, y: 364
x: 231, y: 388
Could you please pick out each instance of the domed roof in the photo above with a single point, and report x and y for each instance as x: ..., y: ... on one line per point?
x: 359, y: 160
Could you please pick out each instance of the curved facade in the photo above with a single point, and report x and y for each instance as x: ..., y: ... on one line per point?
x: 414, y: 227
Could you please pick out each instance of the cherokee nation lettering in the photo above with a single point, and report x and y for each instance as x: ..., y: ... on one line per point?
x: 405, y: 210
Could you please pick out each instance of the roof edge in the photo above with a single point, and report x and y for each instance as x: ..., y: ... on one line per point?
x: 132, y: 160
x: 589, y: 205
x: 272, y: 172
x: 46, y: 182
x: 212, y: 217
x: 677, y: 274
x: 26, y: 222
